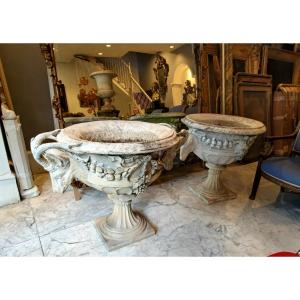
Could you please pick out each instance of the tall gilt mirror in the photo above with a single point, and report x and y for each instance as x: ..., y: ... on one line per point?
x: 141, y: 79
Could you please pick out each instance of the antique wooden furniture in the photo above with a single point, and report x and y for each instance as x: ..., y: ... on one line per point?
x: 207, y: 77
x: 286, y: 114
x: 236, y: 58
x: 283, y: 65
x: 253, y: 99
x: 246, y: 58
x: 282, y: 170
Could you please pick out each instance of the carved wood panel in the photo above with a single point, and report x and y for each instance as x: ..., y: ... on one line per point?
x: 208, y: 77
x: 228, y: 79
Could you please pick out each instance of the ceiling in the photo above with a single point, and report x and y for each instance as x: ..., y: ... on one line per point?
x: 65, y: 52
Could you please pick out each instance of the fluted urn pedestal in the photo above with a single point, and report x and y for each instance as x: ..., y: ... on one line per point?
x: 119, y: 158
x: 212, y: 189
x: 124, y: 226
x: 219, y: 140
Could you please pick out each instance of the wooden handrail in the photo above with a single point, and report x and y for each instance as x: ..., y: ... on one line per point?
x: 148, y: 97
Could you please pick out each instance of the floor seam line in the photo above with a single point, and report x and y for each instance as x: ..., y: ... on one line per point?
x: 37, y: 230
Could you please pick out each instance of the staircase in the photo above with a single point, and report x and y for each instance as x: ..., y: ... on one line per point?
x: 126, y: 82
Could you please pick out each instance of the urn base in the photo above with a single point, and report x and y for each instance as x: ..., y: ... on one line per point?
x: 210, y: 197
x: 212, y: 189
x: 115, y: 238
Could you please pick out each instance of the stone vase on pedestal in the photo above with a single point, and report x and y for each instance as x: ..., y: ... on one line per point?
x: 120, y: 158
x: 105, y: 88
x: 218, y: 140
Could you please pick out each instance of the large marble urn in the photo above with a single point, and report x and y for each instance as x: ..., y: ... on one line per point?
x: 218, y: 140
x: 105, y: 88
x: 119, y: 158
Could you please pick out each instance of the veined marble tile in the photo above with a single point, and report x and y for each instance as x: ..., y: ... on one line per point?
x: 28, y: 248
x: 79, y: 240
x: 191, y: 239
x: 17, y: 224
x: 185, y: 225
x: 60, y: 211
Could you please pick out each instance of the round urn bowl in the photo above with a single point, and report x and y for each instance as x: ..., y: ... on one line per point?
x: 104, y: 83
x: 119, y: 158
x: 218, y: 140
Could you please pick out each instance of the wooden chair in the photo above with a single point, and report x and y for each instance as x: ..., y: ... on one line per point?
x: 282, y: 170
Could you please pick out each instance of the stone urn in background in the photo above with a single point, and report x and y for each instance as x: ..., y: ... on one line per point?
x: 218, y: 140
x: 105, y: 91
x: 119, y: 158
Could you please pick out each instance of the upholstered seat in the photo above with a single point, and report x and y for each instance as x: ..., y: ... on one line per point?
x: 285, y: 169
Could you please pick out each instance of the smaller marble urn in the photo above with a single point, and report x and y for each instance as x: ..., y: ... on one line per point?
x: 219, y: 140
x: 105, y: 88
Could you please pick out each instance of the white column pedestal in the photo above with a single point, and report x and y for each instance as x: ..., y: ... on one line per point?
x: 9, y: 193
x: 9, y: 190
x: 18, y: 152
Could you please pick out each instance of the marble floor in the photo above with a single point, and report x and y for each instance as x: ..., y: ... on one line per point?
x: 57, y: 225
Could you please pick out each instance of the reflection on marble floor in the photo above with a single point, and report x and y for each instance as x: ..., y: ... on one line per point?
x: 57, y: 225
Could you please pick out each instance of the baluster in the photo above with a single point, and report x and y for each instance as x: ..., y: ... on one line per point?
x: 113, y: 67
x: 123, y: 74
x: 105, y: 63
x: 119, y: 71
x: 127, y: 75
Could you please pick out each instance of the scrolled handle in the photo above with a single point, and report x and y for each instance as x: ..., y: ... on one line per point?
x: 188, y: 146
x: 183, y: 135
x: 39, y: 148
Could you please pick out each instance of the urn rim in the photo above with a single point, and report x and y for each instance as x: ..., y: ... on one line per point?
x: 113, y: 74
x: 226, y: 124
x: 116, y: 137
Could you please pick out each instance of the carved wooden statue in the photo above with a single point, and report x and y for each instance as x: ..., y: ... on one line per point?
x: 161, y: 72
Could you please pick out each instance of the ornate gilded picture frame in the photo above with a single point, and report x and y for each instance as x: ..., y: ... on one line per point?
x: 4, y: 91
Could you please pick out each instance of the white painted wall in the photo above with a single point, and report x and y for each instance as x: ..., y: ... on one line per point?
x: 182, y: 56
x: 66, y: 72
x: 181, y: 74
x: 26, y: 74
